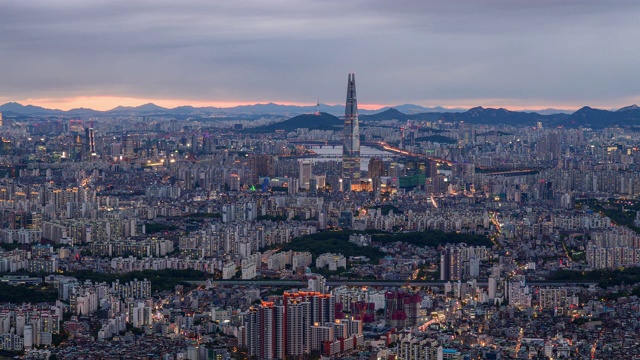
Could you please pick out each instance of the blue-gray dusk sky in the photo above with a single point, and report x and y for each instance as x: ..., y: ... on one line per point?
x: 516, y: 54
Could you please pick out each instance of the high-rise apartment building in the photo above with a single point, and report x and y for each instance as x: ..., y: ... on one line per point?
x: 234, y: 182
x: 402, y: 308
x: 276, y: 330
x: 351, y: 131
x: 265, y: 331
x: 460, y: 262
x: 414, y: 348
x: 553, y: 298
x: 261, y: 165
x: 451, y: 264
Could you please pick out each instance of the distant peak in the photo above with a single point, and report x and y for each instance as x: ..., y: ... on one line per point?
x: 629, y: 108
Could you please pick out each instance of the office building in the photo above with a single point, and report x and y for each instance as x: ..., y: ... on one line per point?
x: 376, y: 168
x: 261, y: 166
x: 351, y: 131
x: 305, y: 174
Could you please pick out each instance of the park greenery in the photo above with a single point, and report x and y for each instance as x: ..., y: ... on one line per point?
x: 27, y: 293
x: 334, y: 241
x: 271, y: 218
x: 161, y: 280
x: 153, y: 228
x: 10, y: 246
x: 621, y: 212
x: 338, y: 242
x: 604, y: 277
x: 202, y: 216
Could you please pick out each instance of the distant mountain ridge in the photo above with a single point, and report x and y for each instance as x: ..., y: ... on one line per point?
x: 17, y: 108
x: 14, y: 108
x: 586, y: 116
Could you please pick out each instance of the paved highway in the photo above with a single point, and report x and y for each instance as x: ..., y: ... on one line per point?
x: 298, y: 283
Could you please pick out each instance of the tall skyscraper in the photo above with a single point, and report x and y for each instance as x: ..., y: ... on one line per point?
x: 90, y: 142
x: 305, y: 173
x: 351, y: 148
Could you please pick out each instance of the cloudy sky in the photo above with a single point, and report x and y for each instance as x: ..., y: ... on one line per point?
x: 512, y: 53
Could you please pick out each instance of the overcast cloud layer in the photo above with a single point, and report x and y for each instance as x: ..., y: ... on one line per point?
x: 532, y: 53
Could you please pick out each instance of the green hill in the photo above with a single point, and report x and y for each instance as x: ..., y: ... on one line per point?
x: 323, y: 121
x: 437, y: 138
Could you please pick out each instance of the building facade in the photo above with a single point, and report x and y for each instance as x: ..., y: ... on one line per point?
x: 351, y: 147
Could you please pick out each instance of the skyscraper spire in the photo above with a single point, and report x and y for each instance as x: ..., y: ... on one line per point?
x: 351, y: 109
x: 351, y: 147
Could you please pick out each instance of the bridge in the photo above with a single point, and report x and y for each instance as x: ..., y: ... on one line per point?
x: 376, y: 144
x: 316, y: 143
x: 513, y: 172
x: 384, y: 146
x: 339, y: 156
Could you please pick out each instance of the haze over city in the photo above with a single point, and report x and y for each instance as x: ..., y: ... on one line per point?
x: 516, y: 54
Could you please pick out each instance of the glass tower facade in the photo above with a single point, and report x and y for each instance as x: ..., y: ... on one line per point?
x: 351, y: 148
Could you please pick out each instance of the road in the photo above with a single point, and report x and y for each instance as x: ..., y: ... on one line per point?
x: 298, y: 283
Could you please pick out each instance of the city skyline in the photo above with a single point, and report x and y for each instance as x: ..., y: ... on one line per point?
x: 211, y: 193
x: 525, y: 55
x: 195, y: 234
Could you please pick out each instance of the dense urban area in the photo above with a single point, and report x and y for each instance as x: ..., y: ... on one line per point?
x: 145, y: 233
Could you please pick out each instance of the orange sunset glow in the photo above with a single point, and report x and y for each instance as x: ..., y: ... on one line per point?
x: 104, y: 103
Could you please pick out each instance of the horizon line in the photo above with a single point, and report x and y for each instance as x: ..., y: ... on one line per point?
x: 106, y: 103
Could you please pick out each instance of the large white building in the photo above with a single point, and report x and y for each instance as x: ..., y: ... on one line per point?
x: 332, y: 261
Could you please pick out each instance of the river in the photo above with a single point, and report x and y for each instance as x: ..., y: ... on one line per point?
x: 367, y: 151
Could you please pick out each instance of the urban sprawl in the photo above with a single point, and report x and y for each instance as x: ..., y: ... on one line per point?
x: 137, y: 235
